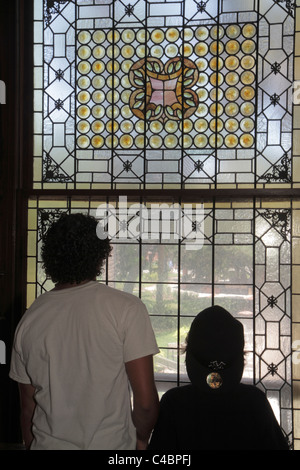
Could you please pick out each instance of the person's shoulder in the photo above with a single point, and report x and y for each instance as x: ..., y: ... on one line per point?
x: 116, y: 294
x: 178, y: 392
x: 253, y: 393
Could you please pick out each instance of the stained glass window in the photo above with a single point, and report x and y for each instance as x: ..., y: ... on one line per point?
x: 185, y: 95
x: 156, y: 95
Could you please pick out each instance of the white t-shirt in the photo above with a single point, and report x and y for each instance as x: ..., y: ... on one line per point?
x: 72, y: 346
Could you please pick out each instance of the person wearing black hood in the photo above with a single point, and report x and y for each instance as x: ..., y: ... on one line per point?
x: 216, y: 411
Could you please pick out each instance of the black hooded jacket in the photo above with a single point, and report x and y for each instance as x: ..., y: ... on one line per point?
x: 192, y: 420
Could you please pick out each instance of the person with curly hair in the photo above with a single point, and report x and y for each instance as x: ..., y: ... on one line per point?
x: 79, y: 348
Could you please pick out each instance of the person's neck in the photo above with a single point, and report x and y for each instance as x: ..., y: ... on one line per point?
x: 69, y: 285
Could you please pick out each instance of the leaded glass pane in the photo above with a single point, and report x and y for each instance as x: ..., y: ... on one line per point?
x: 157, y: 95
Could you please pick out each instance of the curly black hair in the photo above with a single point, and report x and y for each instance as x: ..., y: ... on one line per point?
x: 71, y: 251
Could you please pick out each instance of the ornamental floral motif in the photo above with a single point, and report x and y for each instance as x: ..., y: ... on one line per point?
x: 163, y: 91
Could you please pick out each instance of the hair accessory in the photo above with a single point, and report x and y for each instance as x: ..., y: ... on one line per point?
x: 215, y: 365
x: 214, y: 380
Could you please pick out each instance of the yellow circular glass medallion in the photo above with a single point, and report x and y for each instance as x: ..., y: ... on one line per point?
x: 232, y: 63
x: 112, y: 81
x: 83, y: 141
x: 126, y: 126
x: 98, y: 67
x: 215, y: 47
x: 248, y: 46
x: 156, y: 51
x: 201, y: 64
x: 213, y: 94
x: 141, y: 51
x: 99, y: 37
x: 84, y: 82
x: 126, y: 65
x: 217, y: 32
x: 200, y: 141
x: 112, y: 112
x: 127, y: 51
x: 214, y: 380
x: 233, y: 31
x: 187, y: 141
x: 126, y: 141
x: 98, y: 111
x: 247, y: 125
x: 188, y: 34
x: 216, y: 122
x: 247, y: 78
x: 232, y: 78
x: 140, y: 141
x: 98, y: 97
x: 201, y: 49
x: 246, y: 140
x: 84, y: 67
x: 201, y: 125
x: 187, y: 50
x: 84, y: 52
x: 126, y: 112
x: 83, y: 111
x: 170, y: 141
x: 214, y: 64
x: 111, y: 142
x: 83, y: 127
x: 202, y: 110
x: 247, y: 93
x: 113, y: 36
x: 249, y: 30
x: 202, y: 79
x: 202, y: 94
x: 97, y: 141
x: 84, y: 37
x: 113, y: 52
x: 232, y: 94
x: 97, y: 127
x: 247, y: 62
x: 201, y: 33
x: 142, y: 36
x: 216, y: 76
x: 171, y: 126
x: 171, y: 50
x: 140, y: 126
x: 232, y: 47
x: 83, y: 97
x: 98, y: 82
x: 156, y: 127
x: 157, y: 36
x: 216, y: 142
x: 113, y: 66
x: 214, y: 110
x: 172, y: 34
x: 128, y: 36
x: 231, y: 109
x: 187, y: 126
x: 98, y: 52
x: 155, y: 141
x: 231, y: 125
x: 247, y: 109
x: 231, y: 141
x: 125, y: 96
